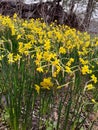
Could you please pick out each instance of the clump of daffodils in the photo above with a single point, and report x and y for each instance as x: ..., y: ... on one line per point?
x: 55, y: 51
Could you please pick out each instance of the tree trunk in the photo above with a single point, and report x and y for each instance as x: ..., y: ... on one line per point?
x: 89, y: 10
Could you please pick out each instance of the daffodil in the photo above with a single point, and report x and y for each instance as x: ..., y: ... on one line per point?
x: 17, y: 57
x: 71, y: 60
x: 37, y: 88
x: 90, y: 87
x: 85, y: 70
x: 47, y: 83
x: 62, y: 50
x: 10, y: 58
x: 40, y: 69
x: 1, y: 57
x: 93, y: 100
x: 84, y: 62
x: 68, y: 69
x: 94, y: 78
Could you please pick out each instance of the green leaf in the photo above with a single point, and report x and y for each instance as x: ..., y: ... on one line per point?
x: 49, y: 128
